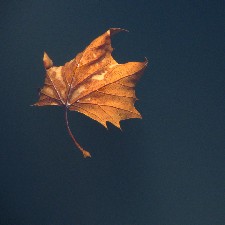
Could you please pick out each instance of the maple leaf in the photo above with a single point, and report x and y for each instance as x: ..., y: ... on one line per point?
x: 94, y: 84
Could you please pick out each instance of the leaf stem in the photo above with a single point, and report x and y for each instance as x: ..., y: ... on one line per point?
x: 85, y: 153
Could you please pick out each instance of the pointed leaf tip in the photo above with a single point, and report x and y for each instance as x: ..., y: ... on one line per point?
x: 47, y: 61
x: 113, y: 31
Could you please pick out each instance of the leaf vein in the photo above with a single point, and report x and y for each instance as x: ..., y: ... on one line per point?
x: 110, y: 106
x: 58, y: 94
x: 122, y: 96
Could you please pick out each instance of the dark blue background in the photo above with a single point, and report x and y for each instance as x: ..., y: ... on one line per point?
x: 167, y: 169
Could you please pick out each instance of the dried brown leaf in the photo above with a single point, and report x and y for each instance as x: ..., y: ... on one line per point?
x: 94, y: 84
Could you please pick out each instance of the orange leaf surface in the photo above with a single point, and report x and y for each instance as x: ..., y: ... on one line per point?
x: 94, y: 84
